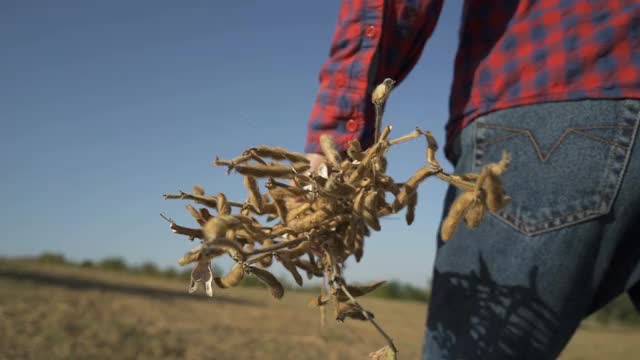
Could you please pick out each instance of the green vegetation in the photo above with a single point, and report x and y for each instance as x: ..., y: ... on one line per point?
x: 401, y: 291
x: 52, y: 258
x: 391, y: 290
x: 114, y: 263
x: 619, y: 311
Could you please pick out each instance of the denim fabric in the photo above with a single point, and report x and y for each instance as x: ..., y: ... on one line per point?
x: 518, y: 286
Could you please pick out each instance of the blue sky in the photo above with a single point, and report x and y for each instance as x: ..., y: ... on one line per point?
x: 105, y: 106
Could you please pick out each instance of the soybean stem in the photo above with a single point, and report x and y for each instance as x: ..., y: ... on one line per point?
x: 366, y: 315
x: 410, y: 136
x: 209, y: 201
x: 278, y: 246
x: 378, y: 108
x: 257, y: 258
x: 457, y: 182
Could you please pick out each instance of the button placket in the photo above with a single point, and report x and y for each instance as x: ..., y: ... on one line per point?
x: 371, y: 31
x: 352, y: 125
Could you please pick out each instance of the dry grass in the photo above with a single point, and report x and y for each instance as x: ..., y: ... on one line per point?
x: 54, y: 312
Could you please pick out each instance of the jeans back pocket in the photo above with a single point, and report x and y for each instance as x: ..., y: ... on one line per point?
x: 567, y: 159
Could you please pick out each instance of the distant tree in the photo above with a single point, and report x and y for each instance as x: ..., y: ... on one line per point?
x: 401, y: 291
x: 170, y: 273
x: 113, y: 263
x: 149, y: 268
x: 87, y: 263
x: 52, y: 258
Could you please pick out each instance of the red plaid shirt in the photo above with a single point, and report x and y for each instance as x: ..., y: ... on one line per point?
x: 510, y: 53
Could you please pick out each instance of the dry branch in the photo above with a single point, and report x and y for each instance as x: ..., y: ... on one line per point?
x: 315, y: 222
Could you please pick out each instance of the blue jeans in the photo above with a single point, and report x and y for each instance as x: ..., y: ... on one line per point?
x: 518, y: 286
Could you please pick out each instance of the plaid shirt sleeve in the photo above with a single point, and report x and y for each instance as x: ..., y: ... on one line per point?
x: 373, y: 40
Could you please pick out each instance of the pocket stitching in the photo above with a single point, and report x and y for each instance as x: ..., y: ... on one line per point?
x: 583, y: 214
x: 580, y: 215
x: 587, y: 216
x: 566, y: 132
x: 597, y: 138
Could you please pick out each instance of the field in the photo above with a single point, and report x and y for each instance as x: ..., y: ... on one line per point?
x: 60, y: 312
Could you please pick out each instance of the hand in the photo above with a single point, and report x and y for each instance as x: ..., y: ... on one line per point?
x: 315, y: 160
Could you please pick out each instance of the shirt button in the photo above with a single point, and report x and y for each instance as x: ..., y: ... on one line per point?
x: 352, y: 125
x: 371, y: 31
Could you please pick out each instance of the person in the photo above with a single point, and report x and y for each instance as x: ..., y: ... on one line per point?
x: 556, y: 83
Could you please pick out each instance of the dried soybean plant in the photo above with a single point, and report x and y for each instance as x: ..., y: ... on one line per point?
x: 313, y: 222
